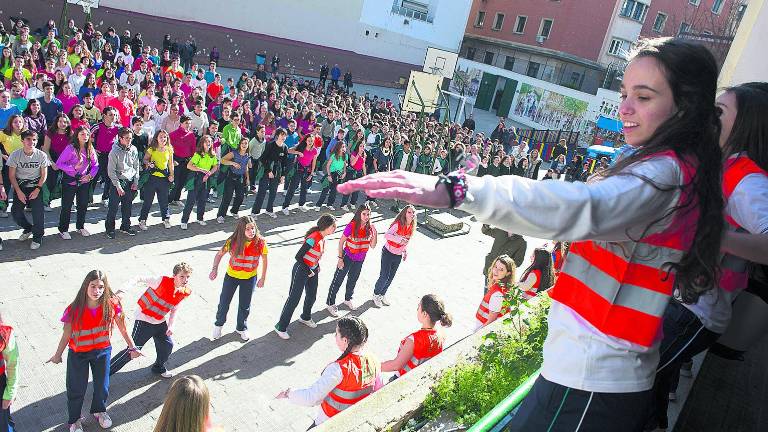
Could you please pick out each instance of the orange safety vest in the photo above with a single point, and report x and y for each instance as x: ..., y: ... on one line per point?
x: 90, y: 332
x: 733, y: 269
x: 358, y: 241
x: 359, y: 374
x: 5, y: 335
x: 531, y: 293
x: 247, y: 262
x: 157, y: 302
x: 312, y: 257
x: 406, y: 232
x: 426, y: 344
x: 557, y: 260
x: 482, y: 311
x: 623, y: 293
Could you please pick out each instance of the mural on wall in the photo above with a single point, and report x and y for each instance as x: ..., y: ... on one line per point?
x: 549, y: 109
x: 466, y: 82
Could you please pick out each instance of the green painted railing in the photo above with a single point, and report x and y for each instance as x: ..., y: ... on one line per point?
x: 497, y: 414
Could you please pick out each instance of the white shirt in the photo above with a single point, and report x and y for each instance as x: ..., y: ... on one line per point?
x: 202, y: 84
x: 77, y: 82
x: 143, y: 283
x: 616, y: 208
x: 34, y: 93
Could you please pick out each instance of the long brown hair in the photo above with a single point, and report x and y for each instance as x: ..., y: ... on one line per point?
x: 238, y: 240
x: 88, y: 143
x: 324, y: 222
x: 155, y: 144
x: 400, y: 218
x: 509, y: 264
x: 542, y: 261
x: 357, y: 218
x: 106, y: 301
x: 186, y: 407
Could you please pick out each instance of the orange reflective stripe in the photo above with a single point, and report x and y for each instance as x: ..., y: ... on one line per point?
x: 312, y: 257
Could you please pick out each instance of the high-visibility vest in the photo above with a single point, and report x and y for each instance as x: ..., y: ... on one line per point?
x: 557, y: 260
x: 483, y: 311
x: 244, y: 265
x: 5, y: 335
x: 426, y: 344
x: 733, y: 269
x: 312, y: 257
x: 402, y: 231
x: 531, y: 293
x: 358, y: 241
x: 157, y: 302
x: 90, y: 332
x: 359, y: 374
x: 623, y: 288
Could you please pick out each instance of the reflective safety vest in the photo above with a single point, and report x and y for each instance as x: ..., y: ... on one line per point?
x: 623, y: 288
x: 426, y: 344
x: 406, y: 232
x: 358, y: 241
x: 733, y: 274
x: 90, y: 332
x: 557, y: 260
x: 312, y: 257
x: 483, y: 312
x: 157, y: 302
x: 5, y: 335
x: 244, y: 265
x: 531, y: 293
x: 359, y: 374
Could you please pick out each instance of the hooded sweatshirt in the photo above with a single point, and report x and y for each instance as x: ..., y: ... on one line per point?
x: 123, y: 164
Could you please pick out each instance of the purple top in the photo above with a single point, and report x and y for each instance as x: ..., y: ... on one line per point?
x: 71, y: 165
x: 59, y: 142
x: 360, y: 256
x: 67, y: 102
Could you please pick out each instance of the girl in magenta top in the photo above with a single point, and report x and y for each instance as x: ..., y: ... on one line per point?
x: 79, y: 165
x: 67, y: 97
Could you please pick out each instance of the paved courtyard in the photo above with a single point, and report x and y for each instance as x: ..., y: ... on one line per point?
x: 243, y: 377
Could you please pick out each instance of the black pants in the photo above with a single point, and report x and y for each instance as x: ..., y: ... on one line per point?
x: 102, y: 176
x: 197, y: 196
x: 302, y: 177
x: 37, y: 226
x: 7, y: 183
x: 389, y: 264
x: 142, y: 333
x: 556, y: 408
x: 300, y: 280
x: 351, y: 175
x: 125, y: 202
x: 330, y: 190
x: 684, y: 337
x: 252, y: 171
x: 159, y: 186
x: 264, y: 184
x: 180, y: 174
x: 6, y: 423
x: 228, y: 289
x: 233, y: 185
x: 353, y: 269
x: 69, y: 193
x: 51, y: 180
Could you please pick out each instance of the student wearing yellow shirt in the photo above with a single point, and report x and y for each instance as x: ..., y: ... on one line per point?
x: 158, y: 159
x: 203, y: 164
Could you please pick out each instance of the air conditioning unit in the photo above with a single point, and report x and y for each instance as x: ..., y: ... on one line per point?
x: 540, y: 39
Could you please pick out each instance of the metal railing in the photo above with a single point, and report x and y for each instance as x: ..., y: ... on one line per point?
x: 498, y: 418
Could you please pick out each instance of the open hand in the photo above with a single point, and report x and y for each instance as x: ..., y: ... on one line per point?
x: 419, y: 189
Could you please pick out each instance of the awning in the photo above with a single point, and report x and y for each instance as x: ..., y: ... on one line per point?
x: 609, y: 124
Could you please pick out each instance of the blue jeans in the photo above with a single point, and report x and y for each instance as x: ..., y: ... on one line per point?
x: 389, y: 264
x: 244, y: 307
x: 351, y: 267
x: 300, y: 280
x: 77, y: 380
x: 6, y: 424
x: 197, y: 196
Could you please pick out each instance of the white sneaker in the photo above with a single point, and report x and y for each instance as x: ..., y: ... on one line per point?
x: 330, y: 208
x: 220, y: 219
x: 47, y: 209
x: 377, y: 300
x: 84, y: 232
x: 65, y: 236
x: 244, y: 335
x: 384, y: 300
x: 202, y: 223
x: 105, y: 203
x: 304, y: 208
x: 143, y: 225
x: 1, y: 246
x: 167, y: 374
x: 254, y: 215
x: 373, y: 204
x: 216, y: 332
x: 346, y: 207
x: 309, y: 323
x: 34, y: 245
x: 283, y: 335
x: 317, y: 208
x: 25, y: 236
x: 235, y: 215
x: 332, y: 310
x: 104, y: 420
x: 350, y: 305
x: 286, y: 211
x: 167, y: 223
x: 183, y: 226
x: 76, y: 427
x: 272, y: 215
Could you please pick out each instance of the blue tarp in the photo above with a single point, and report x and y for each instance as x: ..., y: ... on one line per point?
x: 596, y: 151
x: 609, y: 124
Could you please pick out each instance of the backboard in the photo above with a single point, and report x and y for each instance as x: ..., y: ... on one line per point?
x: 440, y: 62
x: 426, y: 86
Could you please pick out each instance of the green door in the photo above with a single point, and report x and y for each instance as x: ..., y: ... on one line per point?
x: 486, y: 91
x: 506, y: 98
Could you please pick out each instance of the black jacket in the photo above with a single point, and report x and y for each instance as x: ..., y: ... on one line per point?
x: 274, y: 159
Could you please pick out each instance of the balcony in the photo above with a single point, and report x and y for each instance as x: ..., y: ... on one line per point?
x: 412, y: 14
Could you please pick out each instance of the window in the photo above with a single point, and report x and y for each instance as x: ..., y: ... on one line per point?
x: 619, y: 47
x: 416, y: 9
x: 634, y: 10
x: 575, y: 78
x: 488, y: 59
x: 509, y: 63
x: 498, y: 22
x: 520, y: 24
x: 717, y: 6
x: 684, y: 28
x: 533, y: 69
x: 480, y: 20
x: 546, y: 28
x: 694, y: 2
x: 658, y: 24
x: 471, y: 51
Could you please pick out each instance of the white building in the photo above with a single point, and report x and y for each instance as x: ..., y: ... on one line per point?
x: 399, y: 30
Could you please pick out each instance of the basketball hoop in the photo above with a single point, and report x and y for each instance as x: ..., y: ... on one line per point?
x: 86, y: 9
x: 86, y: 4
